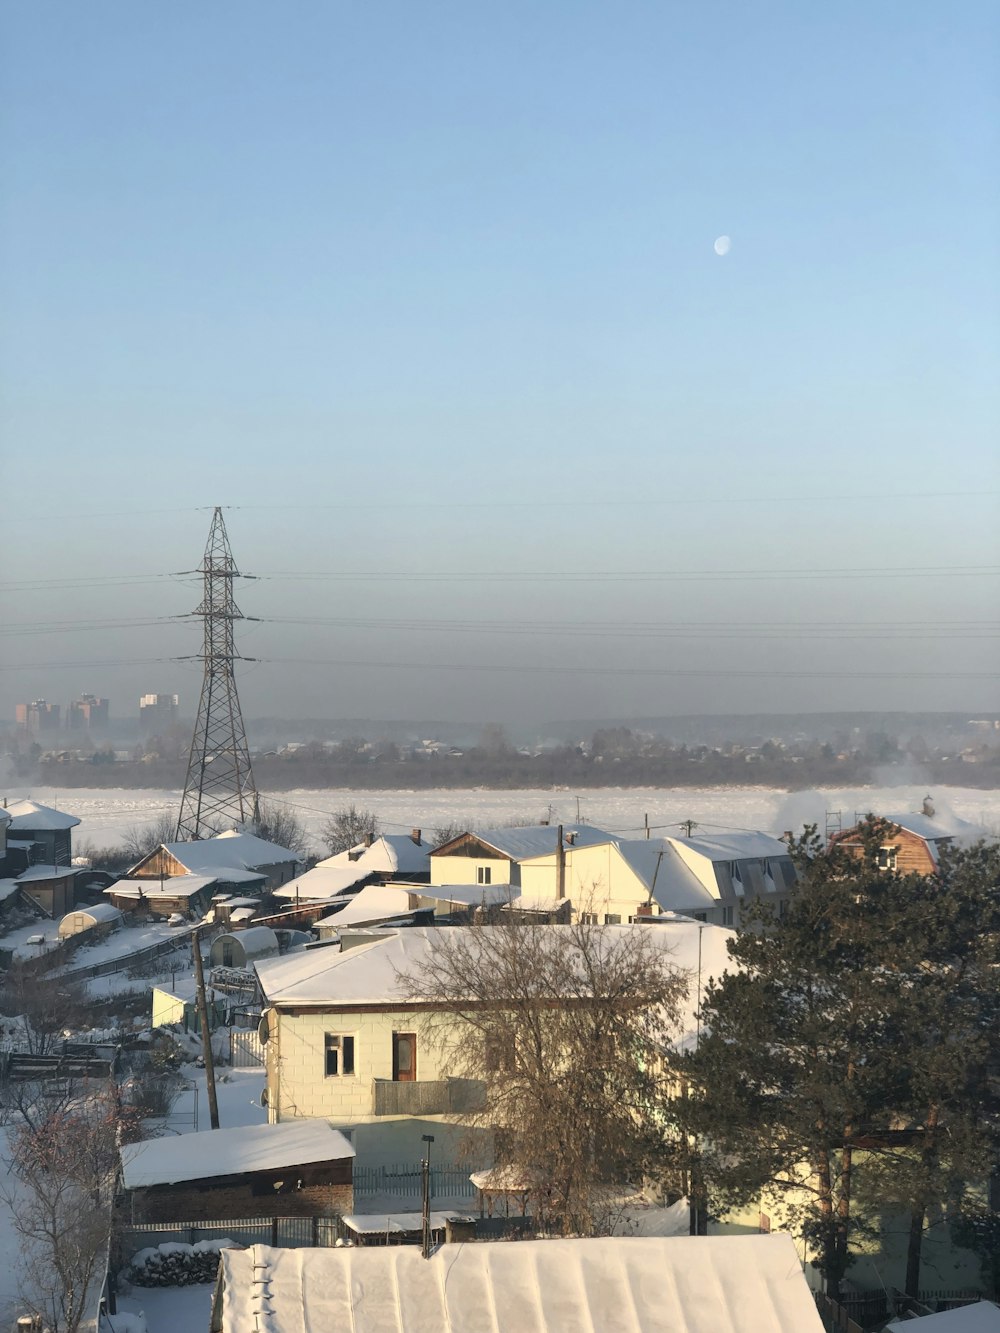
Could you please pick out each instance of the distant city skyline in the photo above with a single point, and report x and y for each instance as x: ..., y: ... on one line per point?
x: 552, y: 362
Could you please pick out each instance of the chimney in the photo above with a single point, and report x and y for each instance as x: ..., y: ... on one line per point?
x: 927, y: 809
x: 415, y: 835
x: 570, y: 837
x: 369, y: 839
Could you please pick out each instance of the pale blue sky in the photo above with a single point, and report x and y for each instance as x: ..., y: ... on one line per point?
x: 431, y: 287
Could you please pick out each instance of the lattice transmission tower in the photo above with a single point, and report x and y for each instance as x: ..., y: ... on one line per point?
x: 219, y: 790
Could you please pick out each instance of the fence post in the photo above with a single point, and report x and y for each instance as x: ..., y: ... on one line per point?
x: 315, y: 1232
x: 274, y: 1232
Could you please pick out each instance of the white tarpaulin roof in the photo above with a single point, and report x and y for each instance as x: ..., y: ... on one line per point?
x: 231, y: 1152
x: 691, y: 1284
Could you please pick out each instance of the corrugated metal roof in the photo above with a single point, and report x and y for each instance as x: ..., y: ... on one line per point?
x: 521, y: 844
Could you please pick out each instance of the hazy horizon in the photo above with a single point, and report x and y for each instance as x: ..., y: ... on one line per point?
x: 430, y: 300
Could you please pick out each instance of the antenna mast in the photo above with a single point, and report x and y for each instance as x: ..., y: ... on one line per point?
x: 219, y: 789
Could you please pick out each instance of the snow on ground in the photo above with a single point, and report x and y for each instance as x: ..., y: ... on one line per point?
x: 107, y: 813
x: 171, y: 1309
x: 10, y: 1306
x: 237, y: 1092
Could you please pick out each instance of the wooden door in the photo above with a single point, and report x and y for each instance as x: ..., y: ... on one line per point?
x: 404, y: 1057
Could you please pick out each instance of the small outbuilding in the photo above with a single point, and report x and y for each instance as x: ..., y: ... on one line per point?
x: 97, y: 921
x: 240, y: 948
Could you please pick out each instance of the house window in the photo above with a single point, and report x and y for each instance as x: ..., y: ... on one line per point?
x: 339, y: 1054
x: 612, y: 919
x: 887, y: 858
x: 484, y: 874
x: 727, y: 916
x: 701, y: 916
x: 588, y: 918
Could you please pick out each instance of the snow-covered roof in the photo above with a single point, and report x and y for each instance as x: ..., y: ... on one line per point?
x: 369, y: 973
x: 375, y: 902
x: 389, y: 1224
x: 660, y: 867
x: 323, y: 882
x: 171, y: 886
x: 229, y: 851
x: 5, y: 815
x: 8, y: 887
x: 29, y: 815
x: 230, y: 1152
x: 389, y: 854
x: 689, y: 1284
x: 46, y: 872
x: 243, y: 914
x: 732, y: 846
x: 933, y: 830
x: 522, y: 844
x: 468, y: 895
x: 983, y: 1317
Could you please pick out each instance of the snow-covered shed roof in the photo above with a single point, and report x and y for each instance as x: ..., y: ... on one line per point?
x: 172, y: 886
x: 389, y: 854
x: 466, y: 895
x: 375, y: 902
x: 983, y: 1317
x: 29, y: 815
x: 229, y: 851
x: 5, y: 815
x: 522, y: 844
x: 230, y: 1152
x: 46, y: 872
x: 693, y: 1284
x: 369, y: 973
x: 324, y: 881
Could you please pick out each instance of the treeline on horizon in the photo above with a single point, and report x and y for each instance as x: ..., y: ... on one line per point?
x: 614, y: 757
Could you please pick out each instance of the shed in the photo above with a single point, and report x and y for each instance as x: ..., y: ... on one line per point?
x: 242, y: 947
x: 300, y: 1167
x: 102, y: 918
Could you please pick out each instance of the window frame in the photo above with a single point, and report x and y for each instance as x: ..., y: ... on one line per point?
x: 343, y: 1045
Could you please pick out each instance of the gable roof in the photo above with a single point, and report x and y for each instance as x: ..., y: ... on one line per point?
x: 732, y: 846
x: 389, y: 854
x: 29, y: 815
x: 369, y: 973
x: 521, y: 844
x: 228, y: 851
x: 322, y: 882
x: 229, y: 1152
x: 661, y: 869
x: 692, y: 1284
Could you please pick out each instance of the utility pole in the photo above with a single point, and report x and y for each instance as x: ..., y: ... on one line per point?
x: 425, y: 1181
x: 646, y: 818
x: 689, y: 826
x: 560, y: 866
x: 206, y: 1031
x: 219, y: 789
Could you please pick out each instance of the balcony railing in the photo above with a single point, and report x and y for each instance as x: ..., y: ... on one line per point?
x: 449, y: 1096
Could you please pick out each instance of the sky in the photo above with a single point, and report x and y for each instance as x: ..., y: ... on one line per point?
x: 427, y: 296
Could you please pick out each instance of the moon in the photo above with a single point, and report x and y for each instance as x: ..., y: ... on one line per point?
x: 722, y: 245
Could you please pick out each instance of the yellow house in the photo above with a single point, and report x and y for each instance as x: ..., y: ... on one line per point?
x: 494, y: 856
x: 342, y: 1041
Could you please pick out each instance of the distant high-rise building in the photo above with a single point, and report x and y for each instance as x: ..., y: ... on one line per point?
x: 36, y: 717
x: 88, y: 713
x: 157, y: 712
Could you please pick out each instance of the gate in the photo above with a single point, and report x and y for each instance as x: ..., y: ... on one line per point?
x: 246, y: 1050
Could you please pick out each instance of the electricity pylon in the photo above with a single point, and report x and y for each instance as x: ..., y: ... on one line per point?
x: 219, y: 789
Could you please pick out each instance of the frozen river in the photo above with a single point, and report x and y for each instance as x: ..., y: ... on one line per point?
x: 106, y: 814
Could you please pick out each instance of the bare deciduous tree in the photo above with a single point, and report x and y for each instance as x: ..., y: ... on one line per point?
x: 567, y: 1028
x: 47, y: 1005
x: 281, y: 826
x: 65, y: 1164
x: 140, y: 839
x: 346, y: 828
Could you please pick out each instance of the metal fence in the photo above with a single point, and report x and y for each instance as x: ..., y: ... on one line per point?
x: 404, y: 1181
x: 284, y: 1232
x: 860, y: 1310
